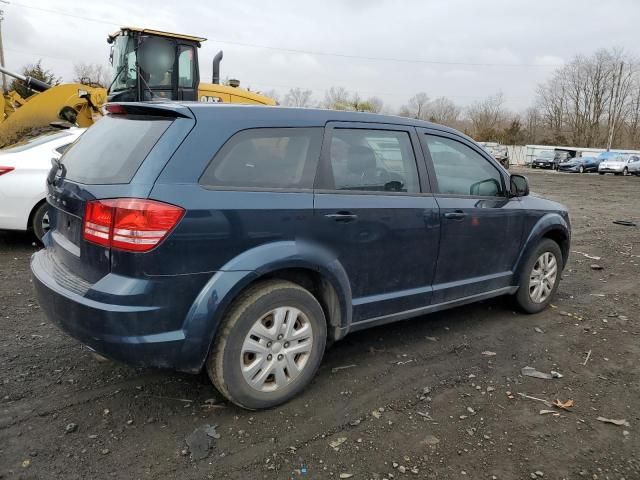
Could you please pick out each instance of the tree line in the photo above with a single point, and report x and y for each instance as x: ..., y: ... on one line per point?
x: 592, y: 101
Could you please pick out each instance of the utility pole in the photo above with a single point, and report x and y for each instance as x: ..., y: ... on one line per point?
x: 4, y: 77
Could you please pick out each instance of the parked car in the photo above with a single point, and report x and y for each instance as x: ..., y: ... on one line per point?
x: 550, y: 159
x: 242, y: 239
x: 580, y: 165
x: 23, y: 170
x: 618, y: 165
x: 634, y: 165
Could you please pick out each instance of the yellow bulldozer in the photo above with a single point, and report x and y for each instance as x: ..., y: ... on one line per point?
x: 146, y: 65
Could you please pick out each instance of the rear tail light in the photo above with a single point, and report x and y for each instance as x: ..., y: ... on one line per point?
x: 4, y: 170
x: 130, y: 224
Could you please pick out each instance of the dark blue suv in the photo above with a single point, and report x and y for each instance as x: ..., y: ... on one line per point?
x: 242, y: 239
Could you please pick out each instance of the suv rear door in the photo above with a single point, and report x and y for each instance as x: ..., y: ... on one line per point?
x: 481, y: 226
x: 118, y: 157
x: 373, y: 208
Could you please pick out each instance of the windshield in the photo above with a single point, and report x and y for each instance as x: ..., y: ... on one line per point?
x: 124, y: 64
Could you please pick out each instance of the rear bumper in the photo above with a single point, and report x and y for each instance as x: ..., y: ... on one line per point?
x: 139, y: 335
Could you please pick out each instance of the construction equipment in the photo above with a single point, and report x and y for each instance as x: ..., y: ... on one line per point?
x: 147, y: 65
x: 155, y: 65
x: 71, y: 103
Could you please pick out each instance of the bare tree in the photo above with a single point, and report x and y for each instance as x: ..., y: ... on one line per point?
x: 487, y: 117
x: 375, y: 104
x: 443, y: 111
x: 416, y: 107
x: 92, y: 74
x: 588, y: 101
x: 336, y: 98
x: 296, y: 97
x: 532, y: 125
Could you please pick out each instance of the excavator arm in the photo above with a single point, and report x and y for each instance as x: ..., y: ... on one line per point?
x: 70, y: 102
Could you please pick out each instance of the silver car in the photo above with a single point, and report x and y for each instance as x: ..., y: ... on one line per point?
x: 634, y: 165
x: 618, y: 165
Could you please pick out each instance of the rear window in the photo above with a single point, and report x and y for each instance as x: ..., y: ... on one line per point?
x: 112, y: 150
x: 266, y: 158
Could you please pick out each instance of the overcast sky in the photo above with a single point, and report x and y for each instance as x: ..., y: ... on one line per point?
x: 519, y: 42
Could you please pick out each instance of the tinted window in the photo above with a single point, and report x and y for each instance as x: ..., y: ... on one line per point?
x: 372, y: 160
x: 266, y: 158
x: 460, y: 170
x: 112, y: 150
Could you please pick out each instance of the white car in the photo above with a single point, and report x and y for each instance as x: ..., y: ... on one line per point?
x: 618, y: 165
x: 23, y: 173
x: 634, y: 165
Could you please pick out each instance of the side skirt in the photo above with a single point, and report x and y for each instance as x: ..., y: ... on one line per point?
x: 395, y: 317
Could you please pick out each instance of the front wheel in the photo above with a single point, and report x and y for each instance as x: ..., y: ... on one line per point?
x: 269, y: 346
x: 581, y: 169
x: 625, y: 172
x: 540, y: 277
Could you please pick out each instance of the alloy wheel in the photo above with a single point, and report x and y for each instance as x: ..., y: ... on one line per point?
x: 45, y: 223
x: 276, y: 349
x: 543, y: 277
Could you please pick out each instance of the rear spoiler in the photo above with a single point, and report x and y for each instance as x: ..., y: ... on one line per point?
x: 160, y: 109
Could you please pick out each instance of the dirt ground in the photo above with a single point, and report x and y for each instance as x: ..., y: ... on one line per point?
x: 415, y: 399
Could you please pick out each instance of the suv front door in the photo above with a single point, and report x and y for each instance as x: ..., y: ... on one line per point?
x: 373, y: 209
x: 481, y: 226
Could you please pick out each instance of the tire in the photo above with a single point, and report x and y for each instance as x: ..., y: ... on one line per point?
x: 232, y: 352
x: 625, y: 172
x: 40, y: 221
x: 581, y: 169
x: 524, y: 295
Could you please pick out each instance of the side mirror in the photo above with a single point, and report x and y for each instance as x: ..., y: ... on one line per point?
x: 519, y: 186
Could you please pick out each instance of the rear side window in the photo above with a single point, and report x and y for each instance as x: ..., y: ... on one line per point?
x: 372, y: 160
x: 266, y: 158
x: 112, y: 150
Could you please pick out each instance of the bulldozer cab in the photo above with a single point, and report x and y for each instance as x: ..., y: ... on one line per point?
x: 153, y: 65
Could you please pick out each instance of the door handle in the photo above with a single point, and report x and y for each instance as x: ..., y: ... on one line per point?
x: 457, y: 215
x: 342, y: 216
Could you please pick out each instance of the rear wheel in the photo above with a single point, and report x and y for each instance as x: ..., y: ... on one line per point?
x: 540, y: 277
x: 270, y: 345
x: 40, y: 221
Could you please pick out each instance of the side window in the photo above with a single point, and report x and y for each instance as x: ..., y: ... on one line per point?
x: 185, y: 67
x: 372, y: 160
x: 63, y: 148
x: 460, y: 170
x: 266, y: 158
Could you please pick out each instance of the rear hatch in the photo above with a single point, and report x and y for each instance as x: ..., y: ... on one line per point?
x: 117, y: 158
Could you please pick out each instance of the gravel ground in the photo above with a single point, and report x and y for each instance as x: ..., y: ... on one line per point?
x: 415, y: 399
